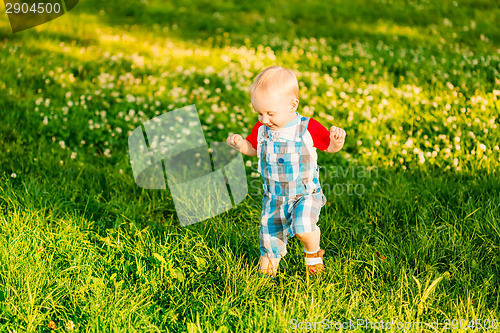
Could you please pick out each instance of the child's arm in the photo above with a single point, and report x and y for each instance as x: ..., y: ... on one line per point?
x: 337, y: 139
x: 242, y: 145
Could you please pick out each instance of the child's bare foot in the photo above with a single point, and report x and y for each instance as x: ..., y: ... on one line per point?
x: 269, y: 266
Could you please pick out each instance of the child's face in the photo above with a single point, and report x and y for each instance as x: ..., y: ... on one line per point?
x: 275, y: 111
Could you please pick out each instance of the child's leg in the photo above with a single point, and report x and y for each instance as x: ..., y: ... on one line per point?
x: 313, y: 256
x: 310, y: 240
x: 305, y: 217
x: 269, y: 266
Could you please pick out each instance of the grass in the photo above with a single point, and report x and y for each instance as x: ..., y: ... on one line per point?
x: 415, y: 85
x: 105, y: 265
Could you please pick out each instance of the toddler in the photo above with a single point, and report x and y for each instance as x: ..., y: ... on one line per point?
x: 286, y: 144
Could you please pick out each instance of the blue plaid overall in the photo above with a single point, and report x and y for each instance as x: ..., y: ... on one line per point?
x: 292, y: 197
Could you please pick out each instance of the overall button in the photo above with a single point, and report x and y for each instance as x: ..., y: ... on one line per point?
x: 281, y: 160
x: 303, y: 118
x: 315, y: 180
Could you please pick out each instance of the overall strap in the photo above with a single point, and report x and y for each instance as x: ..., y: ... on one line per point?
x: 303, y: 126
x: 266, y: 132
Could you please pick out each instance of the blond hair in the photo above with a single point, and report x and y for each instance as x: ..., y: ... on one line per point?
x: 275, y: 79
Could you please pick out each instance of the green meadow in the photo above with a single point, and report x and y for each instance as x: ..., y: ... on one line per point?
x: 411, y: 229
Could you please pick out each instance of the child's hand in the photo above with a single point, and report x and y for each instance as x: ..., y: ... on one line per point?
x: 235, y: 141
x: 337, y: 134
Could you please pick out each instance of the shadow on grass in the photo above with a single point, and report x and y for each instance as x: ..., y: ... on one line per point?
x: 364, y: 20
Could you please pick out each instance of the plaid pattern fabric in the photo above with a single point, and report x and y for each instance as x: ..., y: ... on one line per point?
x: 292, y: 194
x: 286, y: 165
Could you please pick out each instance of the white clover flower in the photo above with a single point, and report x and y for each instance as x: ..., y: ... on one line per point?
x: 70, y: 325
x: 13, y: 175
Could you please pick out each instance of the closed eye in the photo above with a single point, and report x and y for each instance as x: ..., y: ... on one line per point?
x: 269, y: 113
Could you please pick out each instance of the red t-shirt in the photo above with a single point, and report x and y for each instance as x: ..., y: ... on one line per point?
x: 320, y: 135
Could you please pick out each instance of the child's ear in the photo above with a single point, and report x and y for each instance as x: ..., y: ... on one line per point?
x: 295, y: 104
